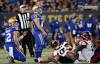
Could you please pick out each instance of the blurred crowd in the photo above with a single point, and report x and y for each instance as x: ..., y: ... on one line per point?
x: 48, y: 5
x: 65, y: 5
x: 13, y: 5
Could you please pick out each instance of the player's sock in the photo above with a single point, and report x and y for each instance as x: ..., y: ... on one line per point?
x: 36, y: 54
x: 40, y: 53
x: 39, y: 59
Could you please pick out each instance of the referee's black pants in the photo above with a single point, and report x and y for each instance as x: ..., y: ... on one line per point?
x: 53, y: 34
x: 29, y: 41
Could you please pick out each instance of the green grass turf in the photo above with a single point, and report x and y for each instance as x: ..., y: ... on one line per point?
x: 29, y: 60
x: 3, y: 57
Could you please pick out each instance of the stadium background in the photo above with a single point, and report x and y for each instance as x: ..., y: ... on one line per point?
x: 48, y: 14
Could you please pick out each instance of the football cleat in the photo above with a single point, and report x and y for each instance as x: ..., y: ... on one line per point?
x: 36, y: 60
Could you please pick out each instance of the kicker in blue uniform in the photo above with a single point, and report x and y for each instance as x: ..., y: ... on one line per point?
x: 38, y: 33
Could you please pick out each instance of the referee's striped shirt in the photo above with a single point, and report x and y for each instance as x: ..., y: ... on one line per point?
x: 24, y: 21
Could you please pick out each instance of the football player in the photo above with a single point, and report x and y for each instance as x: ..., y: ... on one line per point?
x: 12, y: 46
x: 70, y: 30
x: 96, y: 57
x: 72, y: 23
x: 79, y: 27
x: 39, y: 33
x: 80, y: 24
x: 90, y: 25
x: 63, y: 53
x: 55, y: 25
x: 85, y: 47
x: 59, y: 35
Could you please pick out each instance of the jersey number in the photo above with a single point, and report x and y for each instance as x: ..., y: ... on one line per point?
x: 8, y: 39
x: 62, y: 51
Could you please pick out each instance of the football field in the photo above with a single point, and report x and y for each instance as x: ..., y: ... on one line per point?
x: 29, y: 60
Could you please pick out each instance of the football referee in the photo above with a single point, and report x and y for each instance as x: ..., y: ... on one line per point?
x: 25, y: 26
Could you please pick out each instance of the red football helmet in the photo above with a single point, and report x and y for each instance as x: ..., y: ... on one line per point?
x: 86, y: 36
x: 54, y: 43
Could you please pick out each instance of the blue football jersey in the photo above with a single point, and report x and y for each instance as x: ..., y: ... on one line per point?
x: 60, y: 37
x: 66, y: 27
x: 9, y: 34
x: 90, y: 25
x: 72, y: 25
x: 80, y: 26
x: 40, y: 20
x: 55, y: 25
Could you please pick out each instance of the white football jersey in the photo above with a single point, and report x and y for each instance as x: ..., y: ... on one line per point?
x: 62, y: 50
x: 87, y: 52
x: 89, y: 45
